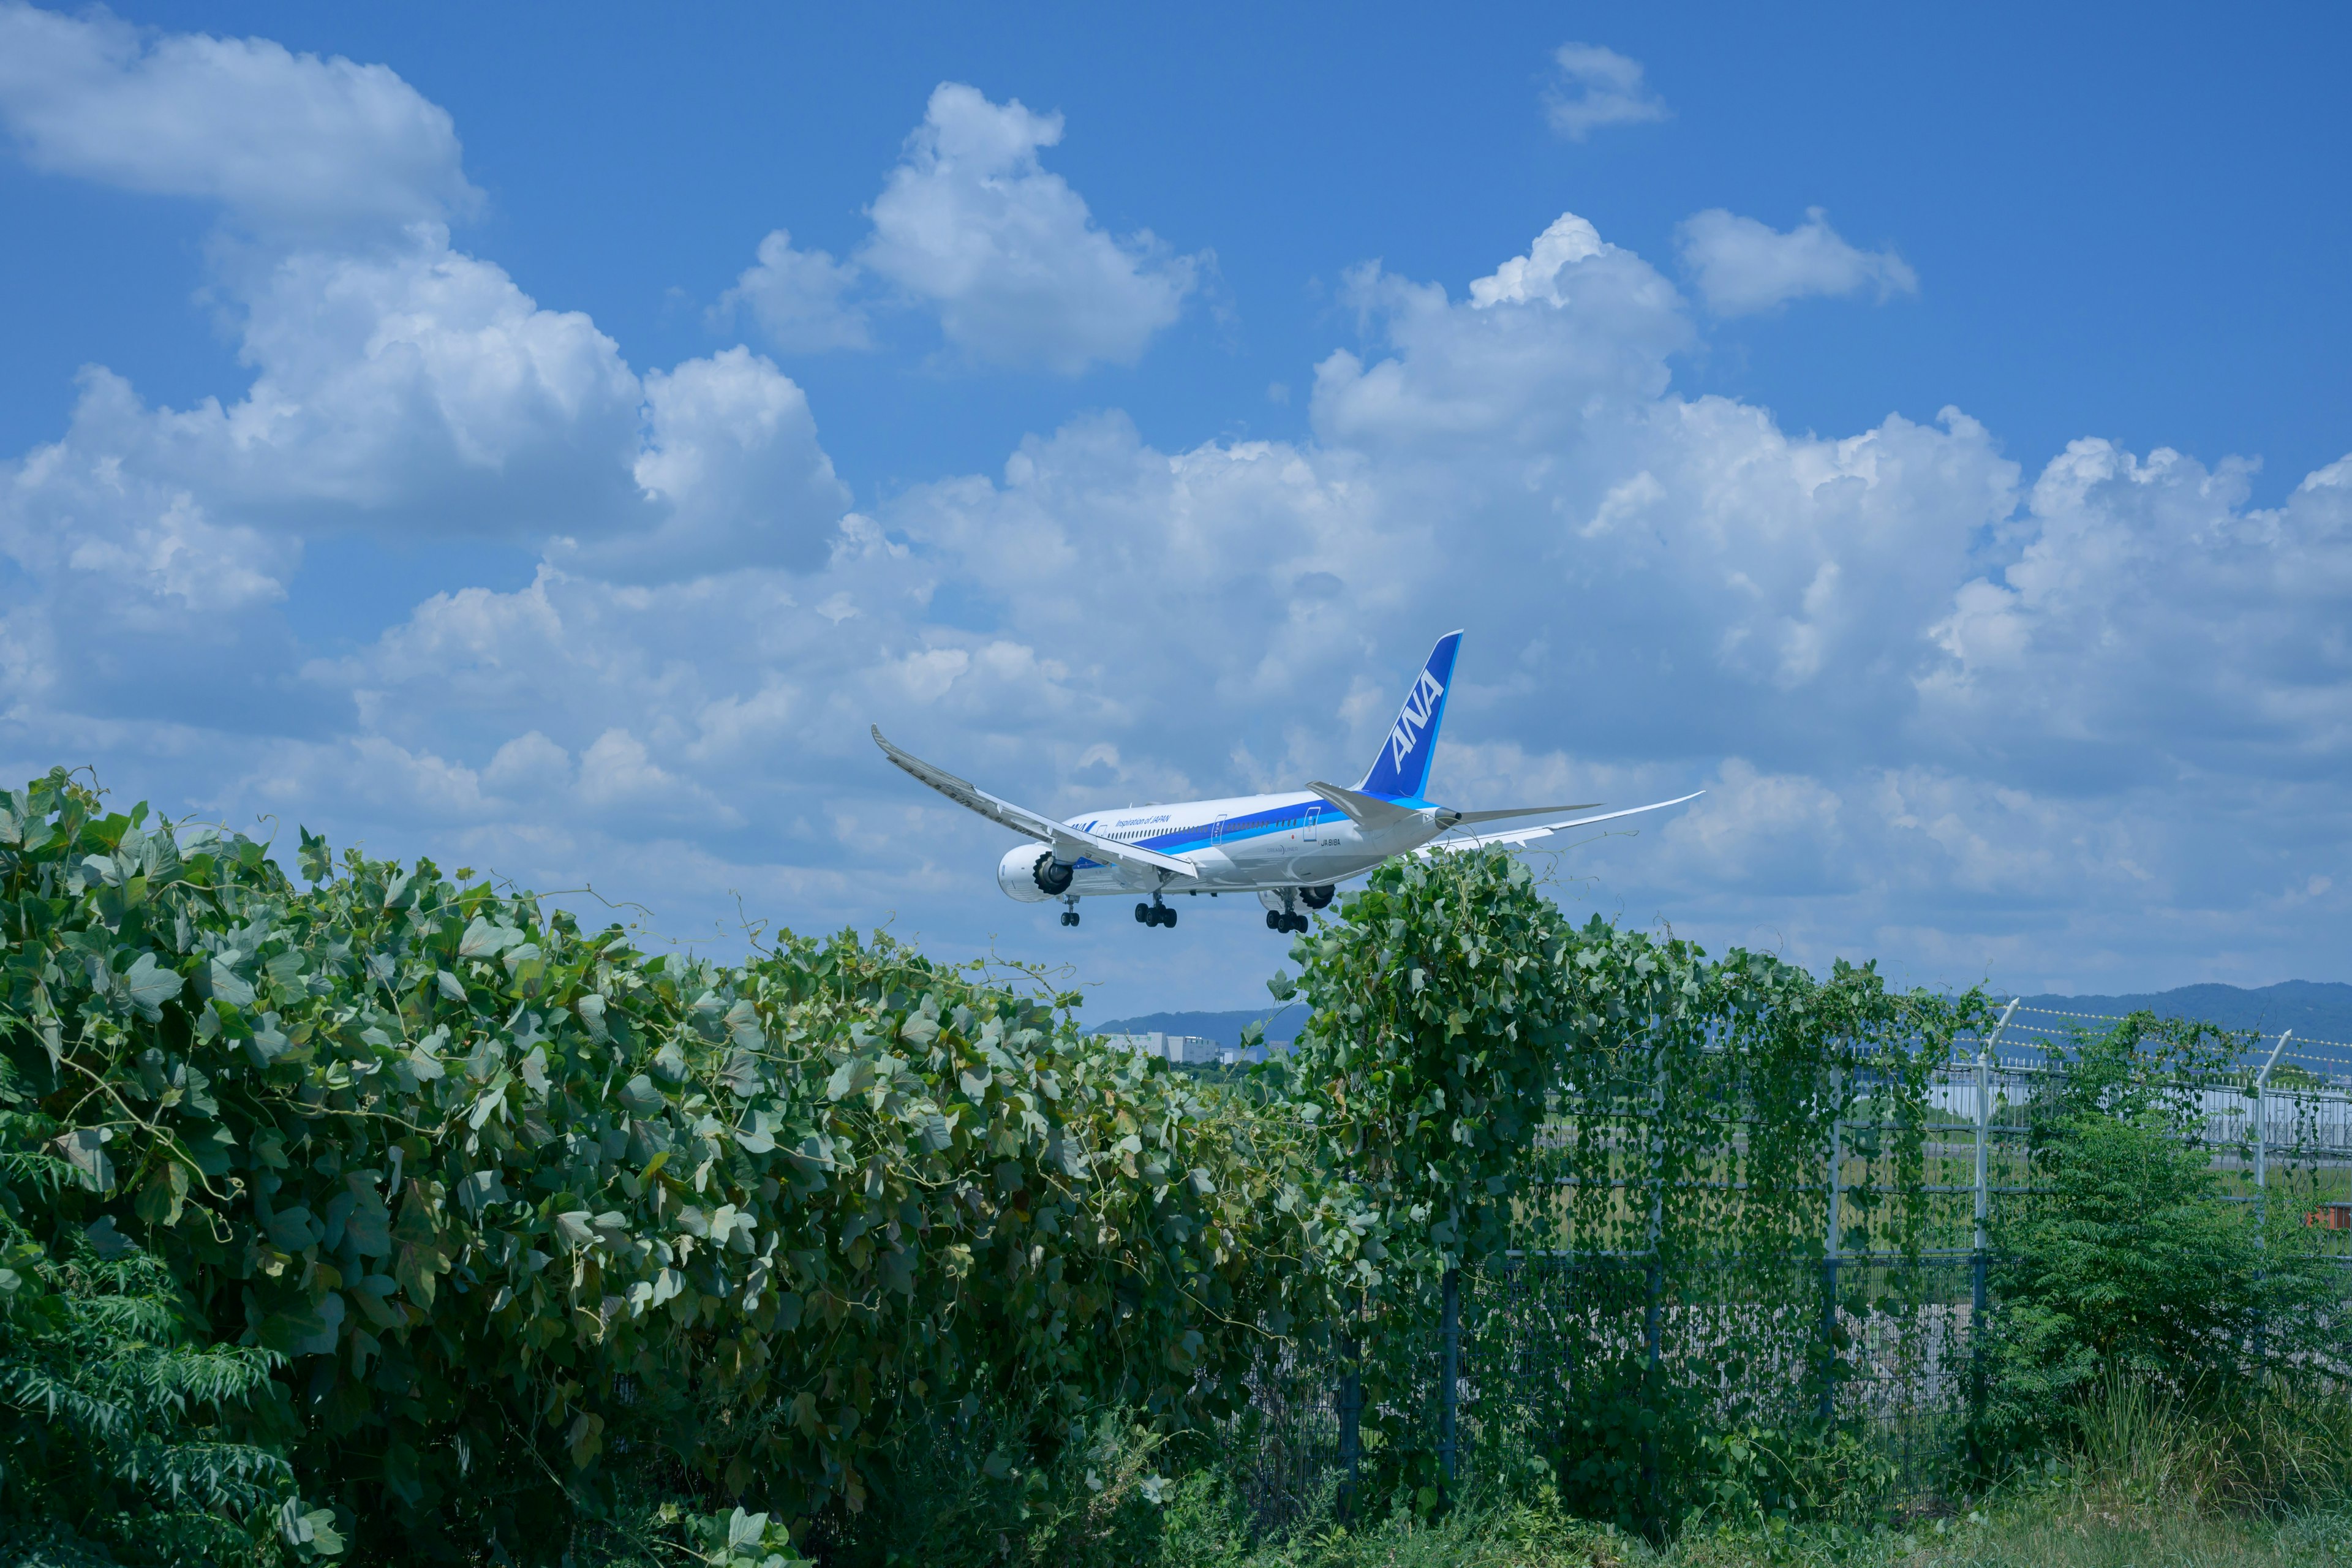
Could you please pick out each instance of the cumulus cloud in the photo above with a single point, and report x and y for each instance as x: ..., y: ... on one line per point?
x: 2065, y: 727
x: 398, y: 384
x: 731, y: 456
x: 2149, y: 619
x: 279, y: 139
x: 799, y: 299
x: 1592, y: 86
x: 971, y: 223
x: 1741, y: 267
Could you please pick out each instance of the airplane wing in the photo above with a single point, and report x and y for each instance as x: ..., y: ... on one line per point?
x: 1069, y: 843
x: 1526, y: 835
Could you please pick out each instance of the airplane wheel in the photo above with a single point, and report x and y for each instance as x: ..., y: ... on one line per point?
x: 1274, y: 919
x: 1168, y: 917
x: 1143, y: 914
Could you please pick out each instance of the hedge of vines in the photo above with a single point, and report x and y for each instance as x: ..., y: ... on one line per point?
x: 504, y: 1217
x: 1515, y: 1091
x: 506, y: 1199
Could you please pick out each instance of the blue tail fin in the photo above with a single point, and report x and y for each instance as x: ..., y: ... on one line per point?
x: 1403, y: 767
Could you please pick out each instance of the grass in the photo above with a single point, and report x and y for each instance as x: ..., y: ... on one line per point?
x: 2050, y: 1525
x: 2152, y: 1481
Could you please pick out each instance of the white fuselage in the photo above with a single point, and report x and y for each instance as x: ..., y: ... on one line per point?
x: 1246, y: 844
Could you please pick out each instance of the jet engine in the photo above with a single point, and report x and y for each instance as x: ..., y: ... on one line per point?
x: 1317, y: 897
x: 1031, y: 874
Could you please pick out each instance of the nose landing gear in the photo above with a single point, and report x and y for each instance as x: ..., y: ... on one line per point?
x: 1070, y: 910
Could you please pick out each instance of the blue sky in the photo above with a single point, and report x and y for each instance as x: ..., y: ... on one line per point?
x: 1926, y: 432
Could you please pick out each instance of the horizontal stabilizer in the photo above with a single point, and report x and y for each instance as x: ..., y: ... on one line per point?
x: 1070, y: 845
x: 1463, y: 818
x: 1516, y: 836
x: 1366, y: 811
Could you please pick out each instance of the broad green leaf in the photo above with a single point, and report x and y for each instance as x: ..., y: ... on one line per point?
x: 483, y: 939
x: 222, y: 984
x: 108, y: 1243
x: 150, y: 986
x: 84, y: 1148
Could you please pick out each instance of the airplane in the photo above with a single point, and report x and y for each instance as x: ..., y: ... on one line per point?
x: 1291, y: 849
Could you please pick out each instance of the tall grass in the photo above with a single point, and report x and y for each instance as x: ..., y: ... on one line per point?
x: 2279, y: 1448
x: 2262, y: 1479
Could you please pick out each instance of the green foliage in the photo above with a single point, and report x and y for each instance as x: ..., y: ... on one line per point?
x: 968, y: 1495
x: 1444, y: 1001
x: 117, y: 1422
x: 516, y: 1211
x: 2127, y: 1262
x: 508, y: 1241
x: 1490, y: 1075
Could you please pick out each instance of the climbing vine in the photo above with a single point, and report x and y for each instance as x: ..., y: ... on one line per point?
x: 512, y: 1205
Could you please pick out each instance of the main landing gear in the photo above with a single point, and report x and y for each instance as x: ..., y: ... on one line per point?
x: 1156, y: 914
x: 1070, y: 914
x: 1287, y: 918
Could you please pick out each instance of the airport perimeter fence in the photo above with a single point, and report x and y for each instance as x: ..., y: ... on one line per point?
x: 1864, y: 1326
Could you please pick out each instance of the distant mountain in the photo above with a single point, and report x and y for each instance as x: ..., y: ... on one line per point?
x: 2314, y: 1010
x: 1225, y: 1028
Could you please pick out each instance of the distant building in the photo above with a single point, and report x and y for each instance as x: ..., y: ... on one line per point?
x: 1178, y: 1048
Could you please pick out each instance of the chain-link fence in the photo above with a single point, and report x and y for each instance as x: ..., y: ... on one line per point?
x: 1605, y: 1368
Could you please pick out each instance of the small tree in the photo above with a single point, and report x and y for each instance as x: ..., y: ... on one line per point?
x: 2130, y: 1262
x: 117, y: 1423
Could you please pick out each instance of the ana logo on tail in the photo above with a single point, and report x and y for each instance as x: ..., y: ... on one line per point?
x: 1400, y: 767
x: 1418, y: 706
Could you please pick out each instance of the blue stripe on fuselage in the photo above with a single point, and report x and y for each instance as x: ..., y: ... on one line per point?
x: 1254, y: 824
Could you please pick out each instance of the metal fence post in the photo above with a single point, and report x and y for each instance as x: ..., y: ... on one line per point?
x: 1979, y: 1257
x: 1449, y: 1374
x: 2263, y: 1186
x: 1654, y: 1279
x: 1352, y: 1408
x: 1831, y: 1246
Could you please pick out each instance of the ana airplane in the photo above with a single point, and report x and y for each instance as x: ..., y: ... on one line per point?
x: 1292, y: 850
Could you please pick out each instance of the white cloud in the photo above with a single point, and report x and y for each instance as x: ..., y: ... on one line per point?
x: 398, y: 384
x: 2147, y: 620
x: 2081, y: 726
x: 1592, y: 86
x: 1007, y: 253
x: 1742, y: 267
x: 731, y: 456
x: 281, y: 140
x: 1536, y: 276
x: 799, y: 297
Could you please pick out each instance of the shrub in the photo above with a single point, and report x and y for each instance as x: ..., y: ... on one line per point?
x: 1459, y: 1015
x: 512, y: 1213
x: 117, y: 1439
x: 2129, y: 1267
